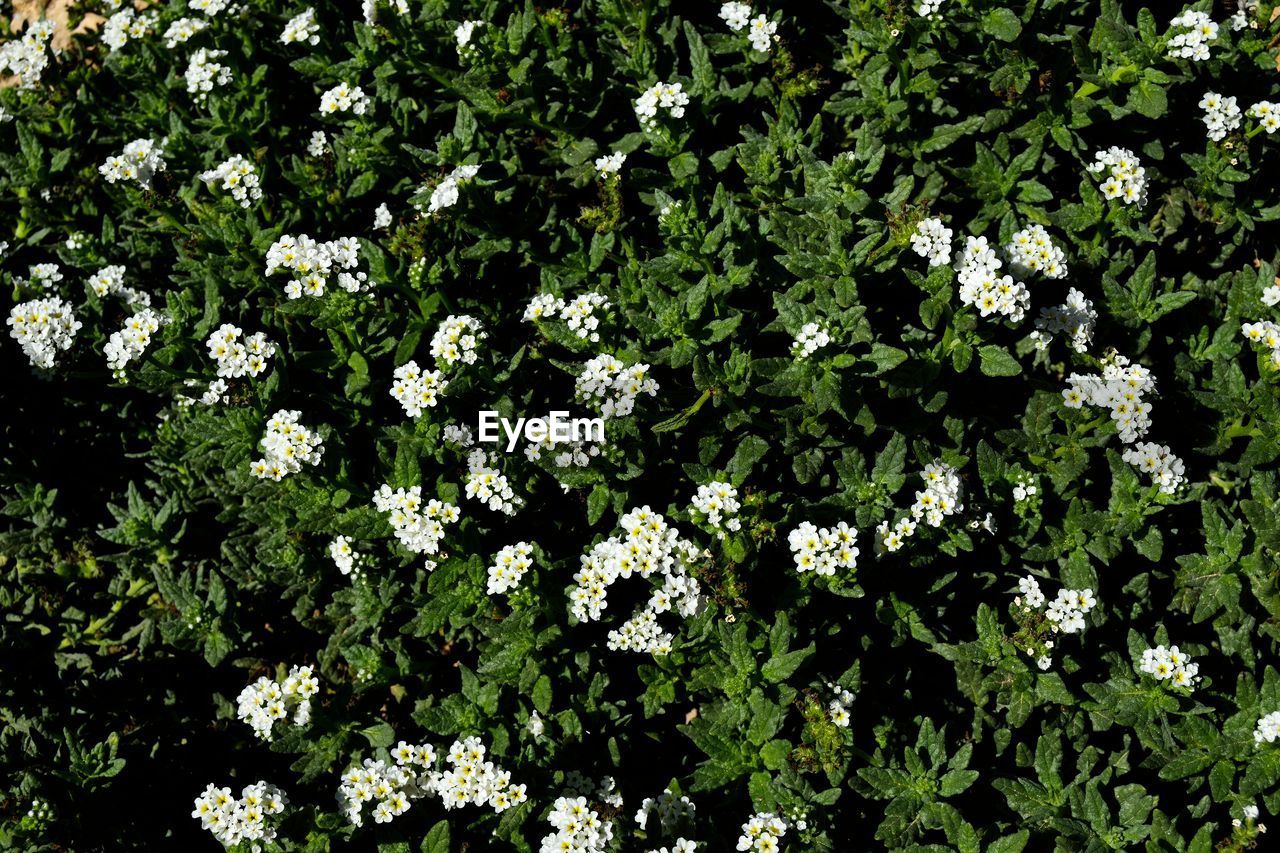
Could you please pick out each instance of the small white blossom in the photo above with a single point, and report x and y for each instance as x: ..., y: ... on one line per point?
x: 286, y: 447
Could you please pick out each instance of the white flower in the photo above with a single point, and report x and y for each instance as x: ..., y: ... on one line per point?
x: 251, y: 818
x: 1157, y: 462
x: 1125, y: 177
x: 1268, y: 115
x: 132, y: 340
x: 668, y: 96
x: 381, y: 217
x: 318, y: 144
x: 613, y: 387
x: 286, y: 447
x: 488, y: 485
x: 1075, y: 317
x: 1170, y: 664
x: 418, y: 527
x: 302, y: 28
x: 204, y: 72
x: 27, y: 57
x: 235, y: 357
x: 457, y: 340
x: 342, y: 98
x: 344, y: 556
x: 1121, y: 390
x: 610, y: 164
x: 762, y: 833
x: 823, y: 550
x: 126, y: 24
x: 761, y: 33
x: 266, y: 702
x: 736, y: 15
x: 810, y: 338
x: 463, y: 34
x: 237, y: 175
x: 929, y: 8
x: 43, y: 328
x: 1221, y: 115
x: 982, y: 286
x: 417, y: 390
x: 509, y: 567
x: 1268, y: 728
x: 1031, y: 250
x: 716, y: 505
x: 182, y: 30
x: 141, y: 160
x: 932, y: 240
x: 1195, y: 32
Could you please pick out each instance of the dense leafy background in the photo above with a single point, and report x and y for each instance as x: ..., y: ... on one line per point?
x: 147, y: 577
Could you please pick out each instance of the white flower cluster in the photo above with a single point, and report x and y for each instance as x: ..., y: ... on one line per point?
x: 1268, y: 728
x: 468, y: 780
x: 27, y: 57
x: 1120, y: 389
x: 932, y: 240
x: 446, y: 193
x: 613, y: 387
x: 211, y: 8
x: 1268, y: 115
x: 488, y: 485
x: 388, y: 788
x: 762, y: 833
x: 648, y: 546
x: 716, y: 505
x: 1075, y: 318
x: 182, y: 31
x: 456, y: 340
x: 682, y: 845
x: 131, y: 341
x: 43, y: 328
x: 941, y: 495
x: 1266, y: 332
x: 1066, y: 612
x: 1196, y: 31
x: 110, y: 280
x: 672, y: 809
x: 141, y: 160
x: 1157, y: 462
x: 247, y: 819
x: 236, y: 357
x: 286, y: 447
x: 578, y: 313
x: 838, y: 707
x: 346, y: 558
x: 1031, y: 250
x: 1126, y: 178
x: 302, y: 28
x: 981, y: 284
x: 459, y: 435
x: 610, y: 164
x: 126, y: 24
x: 204, y: 73
x: 381, y: 217
x: 810, y: 338
x: 509, y: 567
x: 418, y: 528
x: 667, y: 96
x: 760, y: 31
x: 238, y: 175
x: 313, y: 262
x: 823, y: 550
x: 416, y: 389
x: 579, y: 828
x: 266, y: 701
x: 1221, y: 115
x: 928, y: 8
x: 318, y: 143
x: 463, y: 34
x: 736, y: 15
x: 565, y: 454
x: 1170, y: 664
x: 344, y: 97
x: 1024, y: 488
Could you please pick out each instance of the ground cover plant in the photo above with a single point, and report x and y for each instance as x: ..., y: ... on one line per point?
x: 934, y: 348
